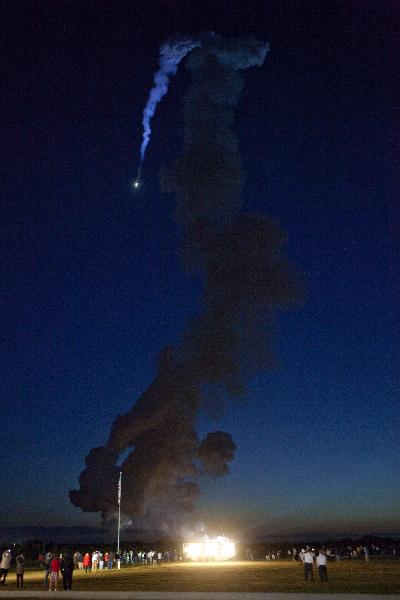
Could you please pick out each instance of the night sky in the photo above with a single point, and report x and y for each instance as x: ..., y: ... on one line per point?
x: 92, y: 281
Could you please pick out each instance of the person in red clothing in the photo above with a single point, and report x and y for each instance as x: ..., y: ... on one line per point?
x: 86, y: 562
x: 54, y: 572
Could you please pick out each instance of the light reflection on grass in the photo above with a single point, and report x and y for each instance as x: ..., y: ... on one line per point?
x: 356, y: 576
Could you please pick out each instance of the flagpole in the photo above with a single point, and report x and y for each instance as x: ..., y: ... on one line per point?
x: 119, y: 507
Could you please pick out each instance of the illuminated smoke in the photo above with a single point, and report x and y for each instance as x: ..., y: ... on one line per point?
x: 246, y: 281
x: 171, y: 54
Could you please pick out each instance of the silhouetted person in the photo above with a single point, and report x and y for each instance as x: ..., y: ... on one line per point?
x: 67, y: 568
x: 19, y: 570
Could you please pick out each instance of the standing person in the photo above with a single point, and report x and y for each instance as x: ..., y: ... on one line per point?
x: 54, y: 572
x: 321, y: 564
x: 5, y: 566
x: 308, y: 564
x: 95, y: 560
x: 67, y: 568
x: 86, y: 562
x: 19, y: 570
x: 111, y: 557
x: 47, y: 561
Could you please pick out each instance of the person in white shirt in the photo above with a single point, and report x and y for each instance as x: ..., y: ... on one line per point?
x: 5, y: 566
x: 321, y: 564
x: 308, y: 564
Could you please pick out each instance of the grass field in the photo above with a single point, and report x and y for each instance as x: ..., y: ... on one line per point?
x: 377, y: 576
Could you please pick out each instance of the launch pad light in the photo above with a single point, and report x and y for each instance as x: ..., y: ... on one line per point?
x: 211, y: 549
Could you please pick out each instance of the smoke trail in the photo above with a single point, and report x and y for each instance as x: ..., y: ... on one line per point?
x: 171, y: 54
x: 246, y: 281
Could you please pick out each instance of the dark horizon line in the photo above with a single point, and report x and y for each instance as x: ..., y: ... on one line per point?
x: 37, y: 532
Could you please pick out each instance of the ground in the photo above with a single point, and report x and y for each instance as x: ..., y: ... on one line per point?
x: 356, y: 576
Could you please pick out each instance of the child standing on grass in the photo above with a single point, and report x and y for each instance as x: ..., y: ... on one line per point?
x: 54, y: 572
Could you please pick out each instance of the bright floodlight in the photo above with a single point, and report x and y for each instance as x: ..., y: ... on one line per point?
x: 136, y: 184
x: 211, y: 549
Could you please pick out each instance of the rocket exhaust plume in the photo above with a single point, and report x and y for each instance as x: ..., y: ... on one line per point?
x: 171, y: 54
x: 246, y: 281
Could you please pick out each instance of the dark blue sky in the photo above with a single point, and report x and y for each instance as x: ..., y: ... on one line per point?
x: 91, y: 276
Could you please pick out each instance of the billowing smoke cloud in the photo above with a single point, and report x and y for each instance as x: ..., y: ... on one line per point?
x: 215, y: 451
x: 245, y: 281
x: 100, y: 477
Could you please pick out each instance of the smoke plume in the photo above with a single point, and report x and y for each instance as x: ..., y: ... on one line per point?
x: 245, y: 282
x: 171, y: 54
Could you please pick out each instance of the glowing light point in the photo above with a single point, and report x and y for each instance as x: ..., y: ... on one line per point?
x: 136, y: 184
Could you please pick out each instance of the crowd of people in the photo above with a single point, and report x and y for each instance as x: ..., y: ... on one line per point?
x: 108, y: 559
x: 308, y: 556
x: 55, y: 564
x: 59, y: 566
x: 333, y: 552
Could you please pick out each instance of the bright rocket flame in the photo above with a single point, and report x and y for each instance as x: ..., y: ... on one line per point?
x: 213, y: 549
x: 134, y: 184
